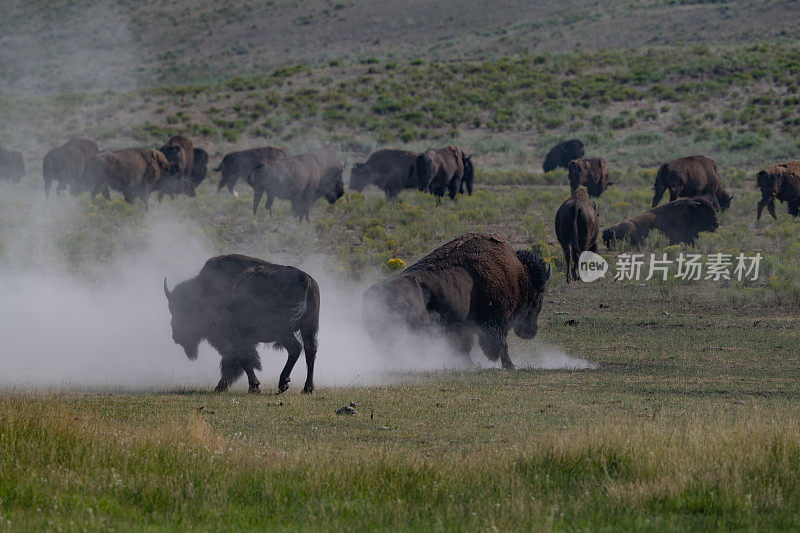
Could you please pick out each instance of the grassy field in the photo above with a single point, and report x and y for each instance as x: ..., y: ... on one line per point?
x: 685, y: 412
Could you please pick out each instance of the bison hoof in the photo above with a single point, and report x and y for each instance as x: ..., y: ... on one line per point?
x: 509, y: 365
x: 254, y: 390
x: 308, y: 389
x: 283, y: 385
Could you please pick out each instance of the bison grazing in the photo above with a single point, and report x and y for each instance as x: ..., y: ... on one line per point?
x: 690, y: 177
x: 680, y: 221
x: 576, y: 229
x: 475, y: 284
x: 199, y: 166
x: 301, y: 179
x: 12, y: 166
x: 65, y: 164
x: 781, y: 182
x: 389, y: 170
x: 135, y: 172
x: 237, y: 302
x: 439, y: 170
x: 561, y: 154
x: 591, y: 173
x: 240, y: 164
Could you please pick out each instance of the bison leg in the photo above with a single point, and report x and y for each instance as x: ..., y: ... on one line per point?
x: 61, y: 187
x: 257, y: 193
x: 462, y: 344
x: 230, y: 370
x: 794, y: 207
x: 294, y: 348
x: 252, y: 380
x: 771, y: 208
x: 310, y: 347
x: 494, y: 345
x: 659, y: 192
x: 568, y: 258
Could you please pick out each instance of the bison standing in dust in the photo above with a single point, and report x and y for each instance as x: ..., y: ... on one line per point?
x: 65, y: 164
x: 591, y: 173
x: 135, y: 172
x: 237, y: 302
x: 179, y: 151
x: 561, y: 154
x: 681, y: 221
x: 690, y: 177
x: 389, y: 170
x: 475, y: 284
x: 12, y: 166
x: 781, y: 182
x: 439, y: 170
x: 301, y: 179
x: 237, y: 165
x: 576, y: 229
x: 199, y: 166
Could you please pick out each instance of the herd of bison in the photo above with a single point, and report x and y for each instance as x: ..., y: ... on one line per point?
x: 474, y: 286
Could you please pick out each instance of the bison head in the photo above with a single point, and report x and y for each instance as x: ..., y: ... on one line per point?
x: 358, y: 177
x: 621, y: 232
x: 332, y: 186
x: 188, y: 324
x: 724, y: 199
x: 539, y: 272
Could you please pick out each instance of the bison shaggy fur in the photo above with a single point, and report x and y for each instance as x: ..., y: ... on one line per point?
x: 690, y: 177
x: 590, y: 173
x: 474, y: 284
x: 782, y: 182
x: 439, y: 170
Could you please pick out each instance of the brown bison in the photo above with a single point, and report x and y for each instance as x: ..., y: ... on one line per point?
x: 65, y: 164
x: 301, y: 179
x: 237, y: 302
x: 690, y: 177
x: 475, y: 284
x: 179, y: 151
x: 439, y: 170
x: 577, y: 228
x: 135, y: 172
x: 389, y: 170
x: 199, y: 166
x: 781, y: 182
x: 12, y: 166
x: 591, y: 173
x: 237, y: 165
x: 681, y: 221
x: 561, y: 154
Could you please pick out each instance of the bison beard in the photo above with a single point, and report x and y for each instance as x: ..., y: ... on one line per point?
x: 237, y: 302
x: 475, y: 284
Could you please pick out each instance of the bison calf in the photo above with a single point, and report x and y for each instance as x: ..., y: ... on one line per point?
x: 690, y: 177
x: 591, y: 173
x: 475, y: 284
x: 576, y: 229
x: 237, y: 302
x: 681, y: 221
x: 781, y: 182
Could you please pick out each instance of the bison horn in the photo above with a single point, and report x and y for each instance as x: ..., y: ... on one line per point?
x: 166, y: 290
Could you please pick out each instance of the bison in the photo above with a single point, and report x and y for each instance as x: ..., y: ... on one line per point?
x: 237, y: 165
x: 781, y: 182
x: 65, y: 164
x: 475, y: 284
x: 591, y: 173
x: 179, y: 151
x: 561, y: 154
x: 135, y: 172
x: 12, y: 166
x: 690, y: 177
x: 469, y: 175
x: 681, y: 221
x: 577, y: 228
x: 389, y: 170
x: 301, y: 179
x: 237, y: 302
x: 199, y: 166
x: 439, y: 170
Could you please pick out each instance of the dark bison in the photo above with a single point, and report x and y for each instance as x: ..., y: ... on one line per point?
x: 65, y: 164
x: 199, y: 166
x: 179, y: 151
x: 12, y: 166
x: 237, y: 165
x: 680, y: 221
x: 561, y: 154
x: 237, y: 302
x: 135, y: 172
x: 301, y: 179
x: 469, y: 175
x: 576, y: 229
x: 690, y: 177
x: 389, y: 170
x: 781, y: 182
x: 591, y: 173
x: 439, y: 170
x: 475, y: 284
